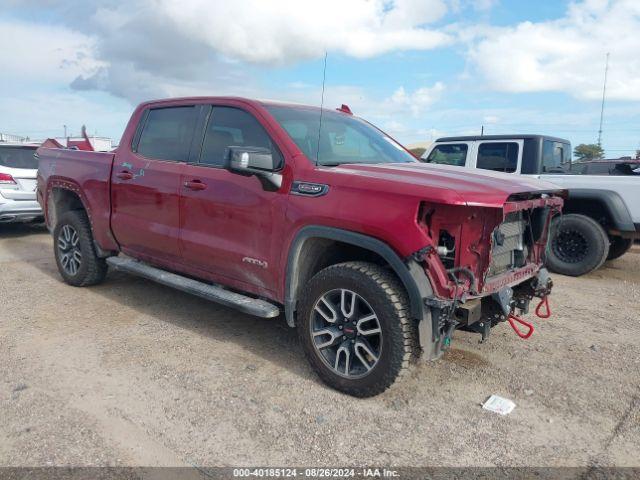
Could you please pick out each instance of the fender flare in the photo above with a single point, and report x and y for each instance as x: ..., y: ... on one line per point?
x: 410, y: 273
x: 63, y: 184
x: 73, y: 187
x: 613, y: 204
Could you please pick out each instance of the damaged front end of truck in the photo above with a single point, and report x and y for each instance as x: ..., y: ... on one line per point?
x: 486, y: 265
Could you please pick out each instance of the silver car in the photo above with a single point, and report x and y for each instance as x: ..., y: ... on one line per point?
x: 18, y: 170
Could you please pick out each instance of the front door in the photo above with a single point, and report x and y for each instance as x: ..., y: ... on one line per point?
x: 229, y: 221
x: 146, y: 185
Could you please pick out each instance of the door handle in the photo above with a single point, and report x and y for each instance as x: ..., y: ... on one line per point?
x: 124, y: 175
x: 195, y: 185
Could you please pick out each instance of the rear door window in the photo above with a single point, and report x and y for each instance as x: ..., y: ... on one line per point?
x: 449, y: 154
x: 556, y: 157
x: 18, y: 157
x: 230, y: 126
x: 167, y: 133
x: 498, y: 156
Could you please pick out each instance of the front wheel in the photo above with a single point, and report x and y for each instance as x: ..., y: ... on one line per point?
x: 577, y: 245
x: 354, y: 326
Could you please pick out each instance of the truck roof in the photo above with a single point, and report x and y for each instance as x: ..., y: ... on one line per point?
x: 250, y: 101
x: 526, y: 136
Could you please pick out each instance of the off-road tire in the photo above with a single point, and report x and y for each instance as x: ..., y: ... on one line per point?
x: 618, y: 246
x: 592, y: 241
x: 92, y: 269
x: 389, y: 300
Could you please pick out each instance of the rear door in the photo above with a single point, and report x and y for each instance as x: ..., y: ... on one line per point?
x: 230, y: 222
x: 498, y: 155
x: 146, y: 184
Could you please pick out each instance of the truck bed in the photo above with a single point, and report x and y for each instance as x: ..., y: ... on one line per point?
x: 628, y: 187
x: 88, y: 174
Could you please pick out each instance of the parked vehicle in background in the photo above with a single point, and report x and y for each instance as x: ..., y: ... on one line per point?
x: 601, y: 216
x: 372, y: 255
x: 618, y: 166
x: 18, y: 170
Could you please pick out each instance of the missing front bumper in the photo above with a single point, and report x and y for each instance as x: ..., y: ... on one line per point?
x: 480, y: 314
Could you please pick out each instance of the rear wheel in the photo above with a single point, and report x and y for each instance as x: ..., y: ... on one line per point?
x: 618, y: 247
x: 577, y: 245
x: 354, y: 326
x: 74, y: 251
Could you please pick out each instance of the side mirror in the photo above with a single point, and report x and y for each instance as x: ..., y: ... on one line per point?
x: 255, y: 161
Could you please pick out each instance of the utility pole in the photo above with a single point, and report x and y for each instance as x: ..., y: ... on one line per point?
x: 482, y: 131
x: 604, y: 92
x: 65, y: 131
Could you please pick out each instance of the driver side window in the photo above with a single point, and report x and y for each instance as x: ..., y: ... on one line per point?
x: 230, y: 126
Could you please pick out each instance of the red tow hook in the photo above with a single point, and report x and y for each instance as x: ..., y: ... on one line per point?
x: 544, y: 303
x: 512, y: 318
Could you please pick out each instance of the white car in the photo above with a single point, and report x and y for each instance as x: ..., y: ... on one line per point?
x: 601, y: 216
x: 18, y: 171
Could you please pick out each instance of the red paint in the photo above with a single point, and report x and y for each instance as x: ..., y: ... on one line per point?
x: 513, y: 319
x: 213, y: 224
x: 543, y: 310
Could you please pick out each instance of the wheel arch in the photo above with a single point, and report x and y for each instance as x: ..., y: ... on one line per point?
x: 601, y: 205
x: 308, y: 255
x: 61, y: 198
x: 64, y: 196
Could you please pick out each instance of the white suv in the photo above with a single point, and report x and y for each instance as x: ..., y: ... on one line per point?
x: 18, y: 171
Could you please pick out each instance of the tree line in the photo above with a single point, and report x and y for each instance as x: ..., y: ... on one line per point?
x: 592, y: 151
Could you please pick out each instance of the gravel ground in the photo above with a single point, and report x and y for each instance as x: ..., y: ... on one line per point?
x: 133, y: 373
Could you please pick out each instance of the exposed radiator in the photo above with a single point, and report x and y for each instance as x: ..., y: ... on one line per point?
x: 507, y: 245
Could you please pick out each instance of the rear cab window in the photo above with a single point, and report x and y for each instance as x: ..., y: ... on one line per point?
x: 18, y: 157
x: 167, y: 133
x: 556, y: 157
x: 449, y: 154
x: 498, y: 156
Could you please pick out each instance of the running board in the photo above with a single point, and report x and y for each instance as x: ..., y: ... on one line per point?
x: 215, y: 293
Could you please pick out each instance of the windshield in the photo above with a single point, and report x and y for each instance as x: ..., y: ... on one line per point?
x: 18, y: 157
x: 342, y: 139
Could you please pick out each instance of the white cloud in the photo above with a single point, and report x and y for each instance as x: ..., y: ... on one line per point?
x: 283, y: 31
x: 44, y: 53
x: 149, y: 48
x: 567, y: 55
x: 415, y: 102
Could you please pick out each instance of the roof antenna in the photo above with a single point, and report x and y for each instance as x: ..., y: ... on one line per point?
x: 604, y: 91
x: 324, y: 77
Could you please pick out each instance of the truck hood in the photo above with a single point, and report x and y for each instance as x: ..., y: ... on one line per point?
x: 448, y: 184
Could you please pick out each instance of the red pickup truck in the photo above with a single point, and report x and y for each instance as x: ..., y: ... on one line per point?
x: 266, y: 207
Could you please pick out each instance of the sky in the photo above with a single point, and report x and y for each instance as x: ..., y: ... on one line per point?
x: 419, y: 69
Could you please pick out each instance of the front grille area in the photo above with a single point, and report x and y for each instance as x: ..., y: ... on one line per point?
x: 508, y: 250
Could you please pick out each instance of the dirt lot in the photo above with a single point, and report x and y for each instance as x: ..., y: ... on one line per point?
x: 133, y: 373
